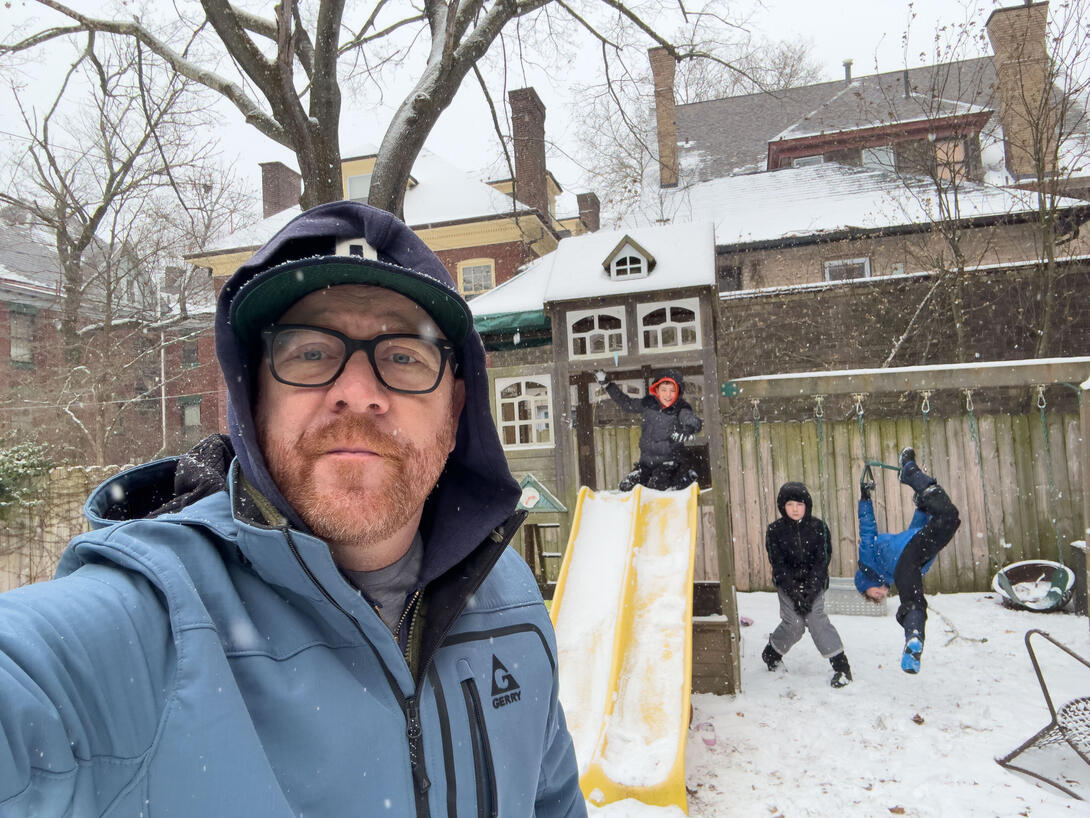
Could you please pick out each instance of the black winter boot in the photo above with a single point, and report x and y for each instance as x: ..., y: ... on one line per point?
x: 771, y: 657
x: 842, y: 672
x: 912, y: 475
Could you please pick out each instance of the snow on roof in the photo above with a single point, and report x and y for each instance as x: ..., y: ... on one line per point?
x: 684, y: 256
x: 443, y: 193
x: 820, y: 199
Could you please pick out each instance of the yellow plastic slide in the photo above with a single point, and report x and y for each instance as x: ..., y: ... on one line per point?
x: 623, y: 615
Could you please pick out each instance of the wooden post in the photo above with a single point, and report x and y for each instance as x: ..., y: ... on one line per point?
x: 1084, y: 422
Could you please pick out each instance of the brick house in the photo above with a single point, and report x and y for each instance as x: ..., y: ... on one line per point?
x: 143, y: 393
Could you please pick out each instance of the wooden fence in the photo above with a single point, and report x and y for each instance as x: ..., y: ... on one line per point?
x: 31, y: 539
x: 1015, y: 478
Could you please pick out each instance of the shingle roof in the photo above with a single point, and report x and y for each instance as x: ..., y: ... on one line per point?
x: 729, y: 136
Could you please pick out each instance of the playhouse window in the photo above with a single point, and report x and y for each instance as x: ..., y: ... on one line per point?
x: 669, y: 326
x: 596, y: 333
x: 524, y: 406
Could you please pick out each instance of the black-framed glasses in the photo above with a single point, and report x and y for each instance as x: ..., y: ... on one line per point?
x: 302, y: 355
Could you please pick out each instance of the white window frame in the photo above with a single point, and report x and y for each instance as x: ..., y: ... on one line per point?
x: 472, y: 263
x: 366, y: 186
x: 643, y: 310
x: 575, y: 316
x: 845, y: 262
x: 541, y: 410
x: 621, y: 269
x: 21, y: 336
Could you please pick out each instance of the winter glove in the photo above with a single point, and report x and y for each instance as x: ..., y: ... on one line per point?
x: 681, y: 437
x: 601, y: 377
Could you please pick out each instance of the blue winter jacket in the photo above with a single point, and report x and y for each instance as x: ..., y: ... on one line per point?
x: 200, y: 654
x: 194, y: 664
x: 879, y: 553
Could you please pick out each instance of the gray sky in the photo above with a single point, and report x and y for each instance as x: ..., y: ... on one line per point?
x: 870, y: 32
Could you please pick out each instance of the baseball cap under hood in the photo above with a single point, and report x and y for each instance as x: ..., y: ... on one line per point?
x: 352, y: 243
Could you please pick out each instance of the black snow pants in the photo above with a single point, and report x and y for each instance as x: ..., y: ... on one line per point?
x: 665, y: 476
x: 942, y: 522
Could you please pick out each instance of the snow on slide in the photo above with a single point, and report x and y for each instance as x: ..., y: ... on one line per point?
x: 623, y: 617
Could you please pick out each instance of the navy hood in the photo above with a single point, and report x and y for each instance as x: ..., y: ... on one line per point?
x: 797, y: 492
x: 476, y: 492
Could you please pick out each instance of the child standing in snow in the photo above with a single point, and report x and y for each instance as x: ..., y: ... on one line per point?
x: 902, y: 559
x: 799, y: 549
x: 668, y: 424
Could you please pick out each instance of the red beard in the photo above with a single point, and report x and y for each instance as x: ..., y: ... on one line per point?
x: 364, y: 502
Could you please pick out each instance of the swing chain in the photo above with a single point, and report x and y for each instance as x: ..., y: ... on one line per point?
x: 925, y: 407
x: 819, y: 410
x: 858, y: 402
x: 756, y: 411
x: 1041, y: 402
x: 968, y: 399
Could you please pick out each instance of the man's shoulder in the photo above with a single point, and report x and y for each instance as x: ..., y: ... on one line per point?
x: 509, y: 582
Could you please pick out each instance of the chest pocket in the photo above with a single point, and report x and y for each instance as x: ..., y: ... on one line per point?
x: 492, y: 693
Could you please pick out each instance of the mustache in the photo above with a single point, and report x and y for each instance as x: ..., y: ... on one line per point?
x: 353, y: 431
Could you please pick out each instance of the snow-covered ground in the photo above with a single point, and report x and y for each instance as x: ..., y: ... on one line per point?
x: 890, y: 743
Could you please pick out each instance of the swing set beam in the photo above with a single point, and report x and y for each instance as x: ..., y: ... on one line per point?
x: 1035, y: 372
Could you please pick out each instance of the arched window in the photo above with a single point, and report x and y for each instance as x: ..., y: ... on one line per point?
x: 596, y: 333
x: 669, y: 326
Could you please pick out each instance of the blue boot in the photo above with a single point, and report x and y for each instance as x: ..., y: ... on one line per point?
x: 910, y: 659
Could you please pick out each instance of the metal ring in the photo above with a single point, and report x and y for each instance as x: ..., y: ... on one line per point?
x: 1041, y: 402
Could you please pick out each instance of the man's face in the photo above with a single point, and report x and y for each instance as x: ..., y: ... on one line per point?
x: 355, y: 459
x: 794, y: 509
x: 667, y: 393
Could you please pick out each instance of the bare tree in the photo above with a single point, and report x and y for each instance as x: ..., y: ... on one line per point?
x: 1039, y: 146
x: 617, y: 142
x: 121, y: 183
x: 290, y: 66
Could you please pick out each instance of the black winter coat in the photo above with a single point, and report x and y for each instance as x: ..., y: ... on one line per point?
x: 799, y: 551
x: 656, y: 445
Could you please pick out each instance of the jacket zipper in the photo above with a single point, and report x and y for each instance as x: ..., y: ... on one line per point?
x: 410, y: 706
x: 482, y: 753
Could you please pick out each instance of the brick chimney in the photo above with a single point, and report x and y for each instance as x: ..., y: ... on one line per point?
x: 662, y: 70
x: 1018, y: 35
x: 528, y: 134
x: 589, y: 211
x: 281, y: 188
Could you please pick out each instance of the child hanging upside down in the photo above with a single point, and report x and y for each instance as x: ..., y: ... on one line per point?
x: 668, y: 424
x: 902, y: 559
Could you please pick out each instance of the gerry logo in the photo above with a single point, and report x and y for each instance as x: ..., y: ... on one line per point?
x: 505, y: 690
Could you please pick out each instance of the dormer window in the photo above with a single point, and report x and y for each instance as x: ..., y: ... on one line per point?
x: 628, y: 260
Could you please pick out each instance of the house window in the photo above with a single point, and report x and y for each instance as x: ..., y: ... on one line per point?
x: 191, y: 412
x: 476, y: 276
x: 359, y: 187
x: 844, y: 268
x: 729, y: 276
x: 880, y: 156
x: 22, y: 337
x: 669, y: 326
x: 142, y: 397
x: 593, y: 333
x: 806, y: 161
x: 190, y: 355
x: 524, y: 406
x: 628, y: 266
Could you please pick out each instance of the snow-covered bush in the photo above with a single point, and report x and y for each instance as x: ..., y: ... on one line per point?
x: 22, y: 465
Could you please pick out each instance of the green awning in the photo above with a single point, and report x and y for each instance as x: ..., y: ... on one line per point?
x: 510, y: 321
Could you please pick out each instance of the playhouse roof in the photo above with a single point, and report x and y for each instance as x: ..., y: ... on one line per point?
x: 684, y: 256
